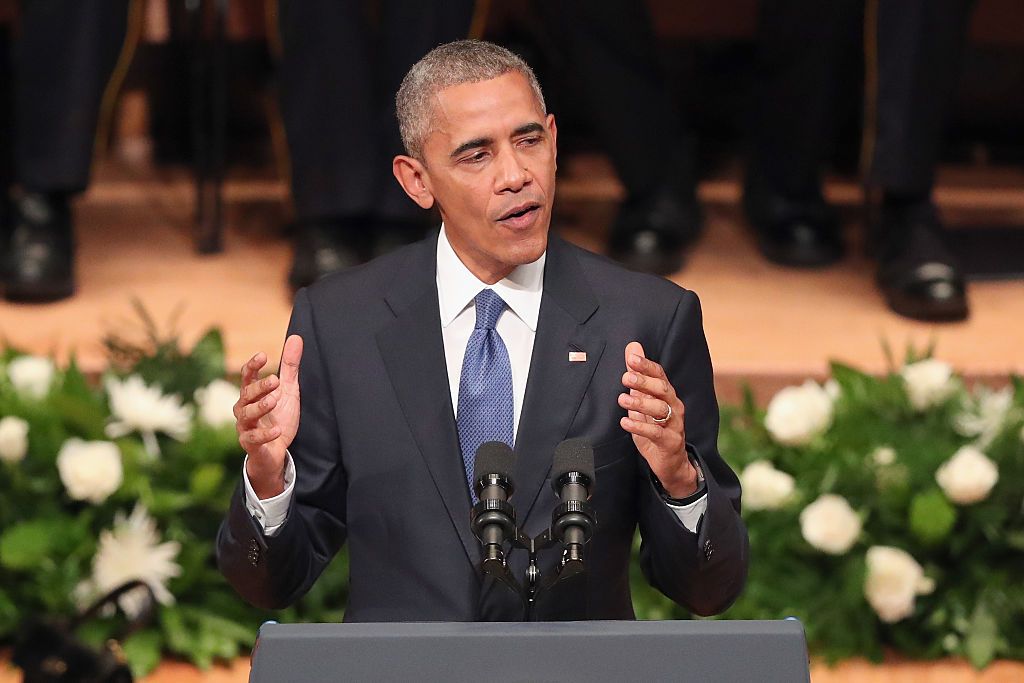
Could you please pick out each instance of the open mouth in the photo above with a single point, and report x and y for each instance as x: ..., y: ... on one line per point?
x: 520, y: 211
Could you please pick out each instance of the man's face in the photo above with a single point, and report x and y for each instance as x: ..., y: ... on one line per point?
x: 489, y: 163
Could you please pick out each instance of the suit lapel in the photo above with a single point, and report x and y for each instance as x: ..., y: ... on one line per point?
x: 413, y: 354
x: 556, y: 385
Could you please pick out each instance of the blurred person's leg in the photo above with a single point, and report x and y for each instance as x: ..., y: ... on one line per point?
x: 326, y: 85
x: 338, y: 81
x: 919, y: 47
x: 409, y: 30
x: 612, y: 48
x: 801, y: 45
x: 63, y: 55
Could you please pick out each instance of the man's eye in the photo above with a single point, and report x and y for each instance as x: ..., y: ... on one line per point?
x: 529, y: 142
x: 475, y: 158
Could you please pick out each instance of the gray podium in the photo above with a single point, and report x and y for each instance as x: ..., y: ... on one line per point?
x: 732, y: 651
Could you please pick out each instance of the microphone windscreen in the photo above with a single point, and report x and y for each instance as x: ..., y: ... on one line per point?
x: 573, y: 455
x: 494, y: 457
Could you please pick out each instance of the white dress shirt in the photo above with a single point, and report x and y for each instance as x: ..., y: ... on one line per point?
x: 457, y: 288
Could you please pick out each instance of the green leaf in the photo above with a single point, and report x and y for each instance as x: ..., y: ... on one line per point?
x: 208, y: 355
x: 205, y: 480
x: 931, y: 516
x: 982, y: 634
x: 26, y: 545
x: 143, y: 651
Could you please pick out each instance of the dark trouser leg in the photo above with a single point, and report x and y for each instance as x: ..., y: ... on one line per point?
x: 326, y: 89
x: 920, y: 48
x: 800, y: 46
x: 919, y: 45
x: 409, y: 30
x: 338, y: 85
x: 63, y: 58
x: 613, y: 51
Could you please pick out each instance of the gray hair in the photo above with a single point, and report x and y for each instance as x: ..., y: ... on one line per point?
x: 462, y: 61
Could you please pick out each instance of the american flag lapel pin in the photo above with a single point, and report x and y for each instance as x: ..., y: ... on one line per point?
x: 577, y: 356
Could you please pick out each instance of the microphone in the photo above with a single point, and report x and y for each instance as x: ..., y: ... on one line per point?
x: 572, y: 477
x: 493, y: 517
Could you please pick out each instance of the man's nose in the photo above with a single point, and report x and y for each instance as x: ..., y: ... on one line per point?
x: 512, y: 173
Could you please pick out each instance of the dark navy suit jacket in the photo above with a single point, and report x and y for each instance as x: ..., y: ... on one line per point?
x: 378, y: 463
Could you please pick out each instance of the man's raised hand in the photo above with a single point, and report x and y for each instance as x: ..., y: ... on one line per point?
x: 267, y: 417
x: 655, y: 419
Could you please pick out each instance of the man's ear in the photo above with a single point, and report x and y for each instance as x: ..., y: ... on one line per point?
x: 553, y: 132
x: 411, y: 173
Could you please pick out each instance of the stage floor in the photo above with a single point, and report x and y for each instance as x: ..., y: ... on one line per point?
x: 765, y: 323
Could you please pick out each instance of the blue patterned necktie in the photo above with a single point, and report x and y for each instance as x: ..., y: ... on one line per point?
x: 485, y: 389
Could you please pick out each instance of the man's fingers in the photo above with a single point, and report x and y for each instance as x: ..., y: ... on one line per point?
x: 645, y: 366
x: 658, y: 387
x: 255, y: 390
x: 251, y: 369
x: 290, y: 359
x: 666, y: 439
x: 640, y: 405
x: 252, y: 412
x: 258, y: 436
x: 634, y: 348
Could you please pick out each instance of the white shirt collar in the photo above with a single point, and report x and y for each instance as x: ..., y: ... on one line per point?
x: 457, y: 286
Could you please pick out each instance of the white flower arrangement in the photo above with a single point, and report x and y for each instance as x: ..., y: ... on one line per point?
x: 984, y: 416
x: 894, y: 580
x: 13, y: 439
x: 968, y: 476
x: 132, y: 550
x: 830, y: 525
x: 928, y: 383
x: 90, y: 470
x: 216, y: 401
x: 796, y: 415
x: 764, y: 487
x: 32, y: 376
x: 136, y: 407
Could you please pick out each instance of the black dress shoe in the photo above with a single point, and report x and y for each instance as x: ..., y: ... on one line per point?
x: 325, y: 247
x: 917, y: 272
x: 38, y: 264
x: 794, y: 233
x: 651, y: 233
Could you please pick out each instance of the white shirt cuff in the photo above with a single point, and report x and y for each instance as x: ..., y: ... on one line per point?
x: 272, y: 512
x: 690, y: 513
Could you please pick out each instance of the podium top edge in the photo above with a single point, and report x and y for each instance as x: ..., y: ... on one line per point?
x: 782, y: 627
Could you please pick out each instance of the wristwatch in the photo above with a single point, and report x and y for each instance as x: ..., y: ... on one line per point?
x: 701, y: 485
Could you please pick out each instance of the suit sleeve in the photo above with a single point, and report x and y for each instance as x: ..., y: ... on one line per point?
x: 273, y: 572
x: 703, y: 571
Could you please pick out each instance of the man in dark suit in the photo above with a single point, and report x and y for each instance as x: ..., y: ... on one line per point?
x: 402, y: 378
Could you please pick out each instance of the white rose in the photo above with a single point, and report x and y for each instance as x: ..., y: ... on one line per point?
x: 830, y: 524
x: 968, y: 476
x: 894, y: 580
x: 90, y: 470
x: 796, y: 415
x: 928, y: 383
x: 883, y: 456
x: 13, y: 439
x: 764, y: 487
x: 31, y: 375
x: 216, y: 402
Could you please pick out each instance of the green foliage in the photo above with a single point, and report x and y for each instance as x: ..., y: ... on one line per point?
x: 973, y: 553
